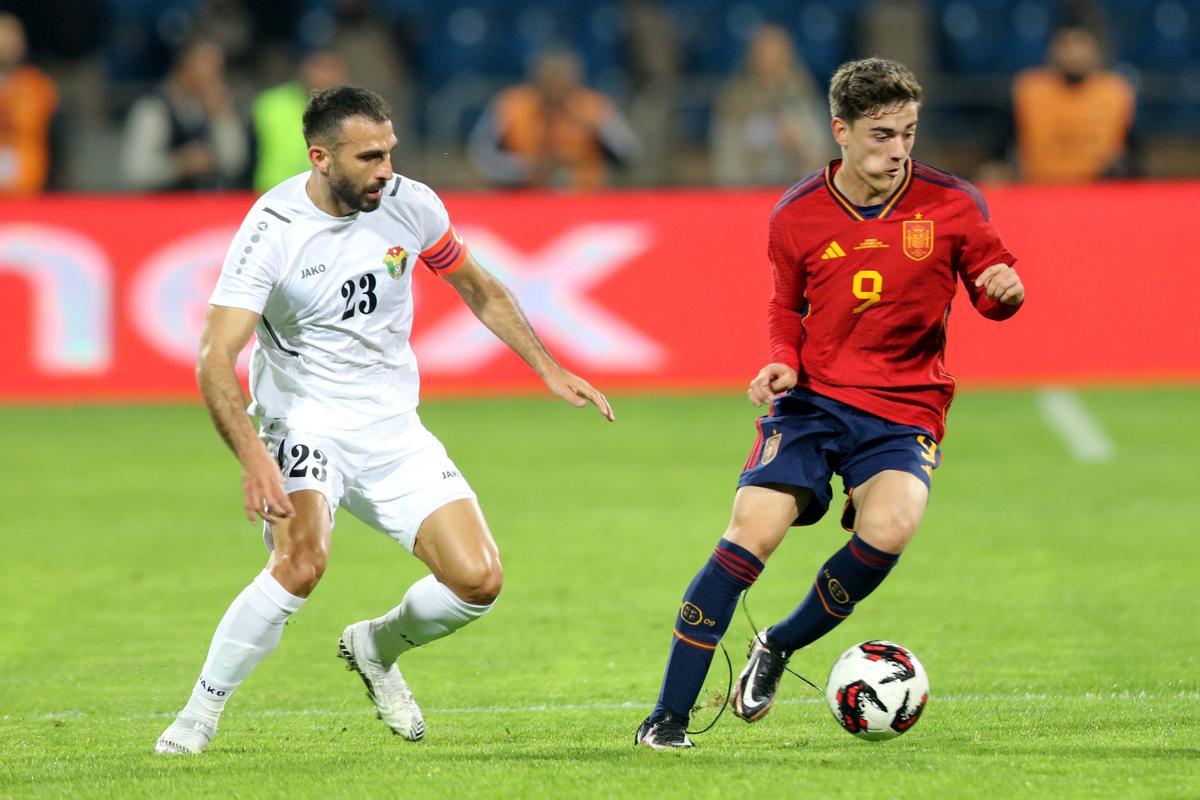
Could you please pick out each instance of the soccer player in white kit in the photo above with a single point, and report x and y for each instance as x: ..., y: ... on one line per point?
x: 321, y: 270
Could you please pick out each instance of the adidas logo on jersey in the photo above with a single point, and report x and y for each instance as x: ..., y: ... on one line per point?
x: 833, y: 251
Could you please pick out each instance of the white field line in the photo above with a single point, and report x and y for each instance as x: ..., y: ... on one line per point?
x: 1029, y: 697
x: 1078, y: 429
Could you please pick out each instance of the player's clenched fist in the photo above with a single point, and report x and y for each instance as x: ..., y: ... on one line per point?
x: 770, y: 381
x: 1003, y: 284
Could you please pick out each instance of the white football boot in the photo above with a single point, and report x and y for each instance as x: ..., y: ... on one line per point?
x: 186, y: 736
x: 385, y: 686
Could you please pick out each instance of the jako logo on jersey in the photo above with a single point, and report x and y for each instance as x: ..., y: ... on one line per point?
x: 396, y: 261
x: 317, y: 270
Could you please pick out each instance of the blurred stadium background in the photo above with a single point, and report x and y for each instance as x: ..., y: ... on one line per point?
x: 662, y: 61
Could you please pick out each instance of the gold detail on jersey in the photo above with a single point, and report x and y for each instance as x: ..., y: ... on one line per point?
x: 833, y: 251
x: 771, y: 448
x: 928, y: 449
x: 396, y: 261
x: 871, y: 244
x: 918, y: 238
x: 868, y: 287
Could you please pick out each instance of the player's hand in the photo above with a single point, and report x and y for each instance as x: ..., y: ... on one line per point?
x: 578, y: 392
x: 1003, y: 284
x: 263, y: 492
x: 771, y: 381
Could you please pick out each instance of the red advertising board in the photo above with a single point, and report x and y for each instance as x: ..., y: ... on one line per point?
x: 102, y: 297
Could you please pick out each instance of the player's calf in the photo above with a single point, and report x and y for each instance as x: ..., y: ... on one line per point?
x: 849, y: 576
x: 704, y: 615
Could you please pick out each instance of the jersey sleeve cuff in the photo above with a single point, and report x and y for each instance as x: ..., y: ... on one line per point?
x: 789, y: 357
x: 236, y: 301
x: 996, y: 311
x: 447, y: 254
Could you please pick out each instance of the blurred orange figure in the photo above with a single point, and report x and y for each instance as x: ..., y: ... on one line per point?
x: 28, y: 100
x: 1072, y: 117
x: 552, y: 131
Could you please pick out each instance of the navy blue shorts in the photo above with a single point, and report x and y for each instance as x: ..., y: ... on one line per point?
x: 806, y: 438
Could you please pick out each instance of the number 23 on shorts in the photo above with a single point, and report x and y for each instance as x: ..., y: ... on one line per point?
x: 302, y: 463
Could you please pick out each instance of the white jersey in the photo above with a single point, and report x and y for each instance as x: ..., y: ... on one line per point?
x: 335, y: 296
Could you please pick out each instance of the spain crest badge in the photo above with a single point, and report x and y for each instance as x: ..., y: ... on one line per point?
x: 396, y: 261
x: 771, y: 448
x: 918, y: 238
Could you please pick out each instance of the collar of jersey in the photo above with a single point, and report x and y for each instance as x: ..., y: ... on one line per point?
x: 852, y: 210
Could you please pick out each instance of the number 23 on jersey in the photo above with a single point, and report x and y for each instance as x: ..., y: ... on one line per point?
x: 369, y: 302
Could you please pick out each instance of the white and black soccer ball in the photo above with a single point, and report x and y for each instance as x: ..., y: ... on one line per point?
x: 877, y: 690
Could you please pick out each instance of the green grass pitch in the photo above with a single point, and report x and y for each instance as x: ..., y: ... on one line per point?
x: 1055, y: 604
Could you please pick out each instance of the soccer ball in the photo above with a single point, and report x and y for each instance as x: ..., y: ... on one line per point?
x: 877, y: 690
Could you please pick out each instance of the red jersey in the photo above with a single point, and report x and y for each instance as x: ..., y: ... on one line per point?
x: 860, y: 305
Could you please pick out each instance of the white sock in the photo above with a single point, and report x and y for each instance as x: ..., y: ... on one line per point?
x: 428, y: 611
x: 248, y: 633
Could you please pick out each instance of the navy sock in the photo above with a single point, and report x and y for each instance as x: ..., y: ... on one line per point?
x: 848, y: 576
x: 704, y: 615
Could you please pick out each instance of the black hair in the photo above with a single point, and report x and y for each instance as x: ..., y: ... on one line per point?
x: 329, y: 108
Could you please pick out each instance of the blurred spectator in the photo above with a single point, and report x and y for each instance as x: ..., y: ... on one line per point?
x: 372, y: 46
x: 552, y: 131
x: 770, y: 126
x: 1072, y: 117
x: 229, y: 25
x: 654, y: 58
x: 28, y: 100
x: 280, y: 150
x: 902, y: 30
x: 186, y: 135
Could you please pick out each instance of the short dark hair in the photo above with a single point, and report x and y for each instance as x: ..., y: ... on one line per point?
x: 329, y: 108
x: 861, y: 88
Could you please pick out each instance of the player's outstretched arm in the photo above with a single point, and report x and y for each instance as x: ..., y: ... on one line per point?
x: 226, y: 332
x: 494, y: 305
x: 770, y: 381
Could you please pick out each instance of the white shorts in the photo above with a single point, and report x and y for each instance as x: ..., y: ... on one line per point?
x: 391, y: 476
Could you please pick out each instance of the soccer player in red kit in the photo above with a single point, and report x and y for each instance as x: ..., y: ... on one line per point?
x: 866, y: 256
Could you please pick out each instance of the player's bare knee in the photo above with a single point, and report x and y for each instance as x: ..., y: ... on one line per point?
x: 478, y: 583
x: 889, y: 530
x: 300, y: 569
x: 760, y: 542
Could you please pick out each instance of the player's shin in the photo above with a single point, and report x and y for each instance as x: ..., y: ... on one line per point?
x: 704, y: 616
x: 248, y: 633
x: 428, y: 611
x: 849, y: 575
